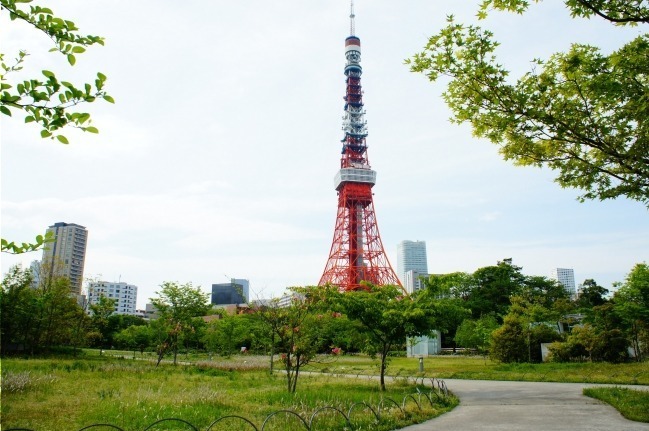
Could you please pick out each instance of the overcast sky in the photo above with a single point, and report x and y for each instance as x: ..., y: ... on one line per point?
x: 217, y: 161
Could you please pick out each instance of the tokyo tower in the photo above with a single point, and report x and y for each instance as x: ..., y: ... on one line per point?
x: 357, y: 252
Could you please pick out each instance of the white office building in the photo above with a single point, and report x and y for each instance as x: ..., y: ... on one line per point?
x: 411, y: 256
x: 412, y: 281
x: 124, y: 294
x: 565, y: 276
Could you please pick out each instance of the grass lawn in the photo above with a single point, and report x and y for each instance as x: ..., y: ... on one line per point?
x: 68, y: 394
x: 477, y: 368
x: 633, y: 405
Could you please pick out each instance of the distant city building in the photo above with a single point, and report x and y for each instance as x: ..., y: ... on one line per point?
x: 234, y: 292
x: 566, y: 277
x: 124, y: 294
x: 65, y: 256
x: 411, y: 255
x: 412, y: 281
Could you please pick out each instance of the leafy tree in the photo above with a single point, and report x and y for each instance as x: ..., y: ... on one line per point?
x: 35, y: 319
x: 100, y: 315
x: 510, y: 341
x: 456, y: 285
x: 294, y: 333
x: 16, y: 307
x: 599, y: 344
x: 494, y: 286
x: 591, y: 295
x: 448, y: 293
x: 177, y: 306
x: 476, y: 334
x: 223, y: 335
x: 386, y: 317
x: 581, y: 113
x: 525, y: 327
x: 135, y: 337
x: 543, y: 291
x: 631, y: 305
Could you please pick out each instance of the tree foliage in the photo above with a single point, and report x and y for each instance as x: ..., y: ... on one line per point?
x: 386, y: 317
x: 294, y: 331
x: 34, y: 319
x: 582, y: 113
x: 631, y: 304
x: 178, y: 306
x: 46, y: 100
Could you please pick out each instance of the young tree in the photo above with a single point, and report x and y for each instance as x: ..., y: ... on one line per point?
x: 385, y: 315
x: 177, y: 306
x: 294, y: 333
x: 581, y: 113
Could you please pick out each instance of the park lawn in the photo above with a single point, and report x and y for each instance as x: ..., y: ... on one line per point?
x: 57, y: 394
x: 632, y: 404
x: 479, y: 368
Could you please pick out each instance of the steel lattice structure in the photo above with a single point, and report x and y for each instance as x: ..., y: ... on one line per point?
x: 357, y: 252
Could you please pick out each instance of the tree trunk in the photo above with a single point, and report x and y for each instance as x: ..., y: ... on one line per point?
x: 384, y: 365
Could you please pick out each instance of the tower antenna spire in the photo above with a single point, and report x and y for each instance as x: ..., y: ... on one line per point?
x: 351, y: 19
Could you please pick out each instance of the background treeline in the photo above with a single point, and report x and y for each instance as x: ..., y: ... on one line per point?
x: 495, y: 311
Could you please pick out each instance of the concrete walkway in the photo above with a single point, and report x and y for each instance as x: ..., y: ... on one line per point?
x: 503, y: 406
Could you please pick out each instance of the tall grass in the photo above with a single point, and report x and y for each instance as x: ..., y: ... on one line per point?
x: 71, y: 394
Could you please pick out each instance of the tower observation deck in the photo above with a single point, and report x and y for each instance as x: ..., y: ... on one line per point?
x: 357, y: 252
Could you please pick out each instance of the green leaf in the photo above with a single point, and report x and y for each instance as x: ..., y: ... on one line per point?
x: 101, y: 76
x: 5, y: 110
x: 71, y: 59
x: 91, y: 129
x: 107, y: 98
x: 29, y: 119
x: 62, y: 139
x: 78, y: 49
x: 47, y: 73
x: 45, y: 134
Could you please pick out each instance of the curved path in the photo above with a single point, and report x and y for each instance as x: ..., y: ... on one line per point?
x: 531, y: 406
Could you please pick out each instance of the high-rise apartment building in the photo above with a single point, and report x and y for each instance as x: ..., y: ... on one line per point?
x: 411, y: 256
x: 65, y: 256
x: 124, y: 294
x: 234, y: 292
x: 565, y: 276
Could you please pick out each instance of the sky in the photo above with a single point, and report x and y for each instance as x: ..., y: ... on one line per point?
x: 217, y: 159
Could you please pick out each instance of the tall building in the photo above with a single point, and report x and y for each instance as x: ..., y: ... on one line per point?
x: 124, y: 294
x: 411, y: 256
x: 356, y: 253
x: 412, y: 281
x: 565, y: 276
x: 65, y: 256
x: 237, y: 291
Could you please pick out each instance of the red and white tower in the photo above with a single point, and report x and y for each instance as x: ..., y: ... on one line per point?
x: 357, y: 252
